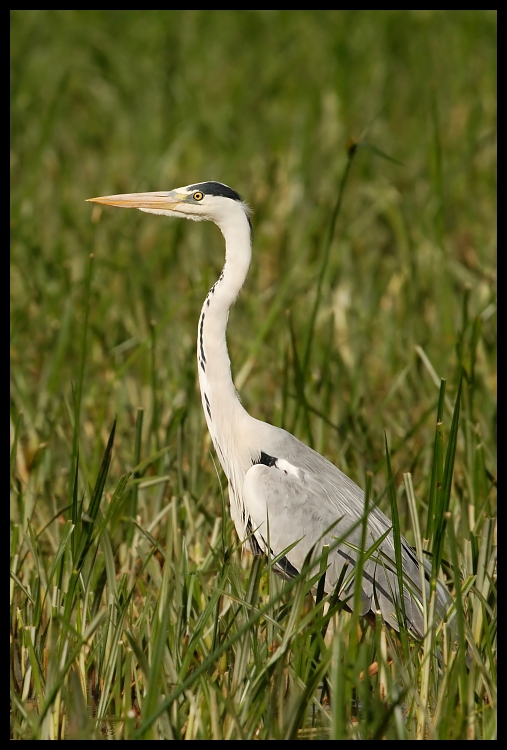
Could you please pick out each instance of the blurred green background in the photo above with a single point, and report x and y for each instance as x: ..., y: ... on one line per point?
x: 268, y: 102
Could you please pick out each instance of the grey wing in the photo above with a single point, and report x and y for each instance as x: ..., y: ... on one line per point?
x: 287, y: 503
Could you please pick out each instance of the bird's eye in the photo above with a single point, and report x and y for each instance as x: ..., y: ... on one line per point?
x: 198, y: 196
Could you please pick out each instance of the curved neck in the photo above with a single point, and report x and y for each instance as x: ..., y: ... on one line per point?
x: 222, y: 408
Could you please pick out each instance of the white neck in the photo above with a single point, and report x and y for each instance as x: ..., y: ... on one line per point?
x: 224, y: 414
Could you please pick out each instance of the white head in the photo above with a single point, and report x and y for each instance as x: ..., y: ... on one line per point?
x: 203, y: 201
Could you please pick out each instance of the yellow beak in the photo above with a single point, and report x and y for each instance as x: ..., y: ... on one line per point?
x: 161, y: 201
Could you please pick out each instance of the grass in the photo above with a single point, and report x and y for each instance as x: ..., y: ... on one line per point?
x: 371, y: 298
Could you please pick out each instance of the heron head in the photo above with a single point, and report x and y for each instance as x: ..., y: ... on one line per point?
x: 203, y: 201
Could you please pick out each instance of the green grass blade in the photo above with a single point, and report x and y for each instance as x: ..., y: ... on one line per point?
x: 443, y: 499
x: 93, y: 508
x: 437, y: 469
x: 399, y: 601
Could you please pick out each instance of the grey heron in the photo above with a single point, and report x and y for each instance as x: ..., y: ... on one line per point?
x: 281, y: 492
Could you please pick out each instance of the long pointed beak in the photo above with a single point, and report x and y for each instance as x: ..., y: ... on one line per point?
x: 161, y: 201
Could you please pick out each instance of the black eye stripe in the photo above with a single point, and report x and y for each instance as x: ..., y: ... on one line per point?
x: 216, y: 188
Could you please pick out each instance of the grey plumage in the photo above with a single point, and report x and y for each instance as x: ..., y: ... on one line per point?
x: 304, y: 486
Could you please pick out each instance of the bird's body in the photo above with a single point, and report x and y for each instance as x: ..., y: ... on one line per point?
x: 280, y: 490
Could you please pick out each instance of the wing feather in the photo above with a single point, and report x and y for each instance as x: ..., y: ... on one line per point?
x: 287, y: 502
